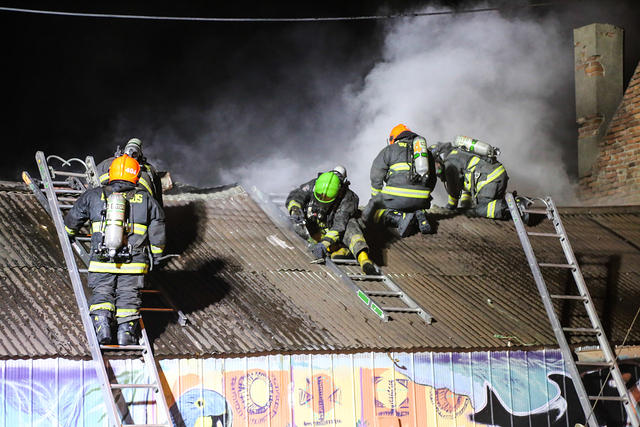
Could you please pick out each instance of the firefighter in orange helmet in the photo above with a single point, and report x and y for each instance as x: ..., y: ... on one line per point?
x: 127, y: 225
x: 399, y: 194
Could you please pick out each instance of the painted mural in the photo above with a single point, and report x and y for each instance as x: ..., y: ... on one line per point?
x: 362, y: 390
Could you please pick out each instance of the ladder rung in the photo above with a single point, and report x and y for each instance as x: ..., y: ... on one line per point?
x: 68, y: 191
x: 576, y: 297
x: 150, y: 291
x: 83, y: 270
x: 384, y: 293
x: 615, y: 398
x: 587, y: 363
x: 83, y: 238
x: 121, y: 386
x: 537, y: 233
x: 65, y: 173
x: 65, y: 183
x: 365, y: 277
x: 535, y: 211
x: 582, y: 330
x: 401, y: 309
x: 345, y: 261
x: 65, y: 206
x: 123, y: 347
x: 156, y: 309
x: 67, y: 199
x: 546, y: 264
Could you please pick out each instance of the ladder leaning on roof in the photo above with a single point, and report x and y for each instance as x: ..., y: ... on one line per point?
x: 348, y: 270
x: 60, y: 195
x: 583, y: 295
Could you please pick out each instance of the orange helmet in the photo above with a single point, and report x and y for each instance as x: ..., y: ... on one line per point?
x: 124, y: 168
x: 397, y: 130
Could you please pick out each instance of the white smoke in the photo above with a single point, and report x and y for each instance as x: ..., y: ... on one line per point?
x: 479, y: 75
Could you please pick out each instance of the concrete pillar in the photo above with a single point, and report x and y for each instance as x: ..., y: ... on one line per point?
x: 598, y: 77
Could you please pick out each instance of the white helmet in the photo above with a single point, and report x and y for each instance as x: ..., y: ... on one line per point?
x: 341, y: 171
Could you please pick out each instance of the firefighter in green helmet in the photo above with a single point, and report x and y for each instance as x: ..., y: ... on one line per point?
x: 324, y: 211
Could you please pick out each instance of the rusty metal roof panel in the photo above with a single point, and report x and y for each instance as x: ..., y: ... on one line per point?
x: 247, y: 289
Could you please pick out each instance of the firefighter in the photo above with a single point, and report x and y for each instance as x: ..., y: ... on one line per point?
x: 398, y: 193
x: 149, y: 178
x: 476, y: 183
x: 324, y: 211
x: 116, y: 270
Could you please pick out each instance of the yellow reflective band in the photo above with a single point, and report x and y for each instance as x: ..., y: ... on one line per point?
x: 374, y: 191
x: 293, y: 204
x: 102, y: 306
x: 136, y: 228
x: 491, y: 177
x: 126, y: 312
x: 406, y: 192
x: 157, y: 249
x: 454, y: 152
x: 95, y: 227
x: 400, y: 166
x: 332, y: 234
x: 118, y: 268
x: 378, y: 214
x: 146, y: 185
x: 465, y: 196
x: 70, y: 231
x: 104, y: 177
x: 453, y: 201
x: 472, y: 163
x: 354, y: 240
x: 491, y: 209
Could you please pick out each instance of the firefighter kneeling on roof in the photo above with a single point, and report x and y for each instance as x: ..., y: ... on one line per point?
x: 324, y: 211
x: 126, y: 223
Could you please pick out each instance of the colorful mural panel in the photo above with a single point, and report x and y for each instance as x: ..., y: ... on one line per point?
x: 362, y: 390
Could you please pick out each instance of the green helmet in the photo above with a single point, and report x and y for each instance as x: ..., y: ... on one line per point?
x: 326, y: 188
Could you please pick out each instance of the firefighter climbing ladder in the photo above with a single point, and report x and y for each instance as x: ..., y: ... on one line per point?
x: 379, y: 287
x: 60, y: 195
x: 560, y: 332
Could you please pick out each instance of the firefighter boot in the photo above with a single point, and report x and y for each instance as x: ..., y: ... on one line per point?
x: 423, y: 222
x: 366, y: 264
x: 401, y: 220
x: 102, y: 326
x: 128, y: 333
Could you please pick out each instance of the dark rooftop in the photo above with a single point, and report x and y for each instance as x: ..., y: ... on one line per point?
x: 247, y: 289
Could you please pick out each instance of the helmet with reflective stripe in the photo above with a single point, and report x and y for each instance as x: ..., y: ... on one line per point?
x: 326, y: 187
x: 124, y: 168
x: 397, y: 130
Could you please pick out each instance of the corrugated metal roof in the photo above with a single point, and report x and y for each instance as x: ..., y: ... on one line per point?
x: 247, y: 289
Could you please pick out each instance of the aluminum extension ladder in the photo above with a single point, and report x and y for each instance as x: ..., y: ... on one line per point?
x: 57, y: 191
x: 372, y: 290
x: 561, y: 332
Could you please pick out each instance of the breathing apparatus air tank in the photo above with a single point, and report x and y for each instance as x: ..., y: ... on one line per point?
x: 114, y: 224
x: 477, y: 147
x: 420, y: 156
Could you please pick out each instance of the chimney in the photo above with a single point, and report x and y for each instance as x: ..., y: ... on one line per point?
x: 598, y: 77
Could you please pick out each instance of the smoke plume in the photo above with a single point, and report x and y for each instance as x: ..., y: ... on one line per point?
x: 327, y: 100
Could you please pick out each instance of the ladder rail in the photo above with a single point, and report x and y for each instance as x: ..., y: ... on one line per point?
x: 78, y: 290
x: 559, y: 331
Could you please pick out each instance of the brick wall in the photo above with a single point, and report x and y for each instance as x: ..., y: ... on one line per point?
x: 615, y: 177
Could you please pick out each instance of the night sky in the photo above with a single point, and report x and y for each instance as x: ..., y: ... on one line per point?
x: 79, y: 86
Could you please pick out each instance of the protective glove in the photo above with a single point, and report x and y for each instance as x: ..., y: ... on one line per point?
x: 320, y: 250
x: 296, y: 215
